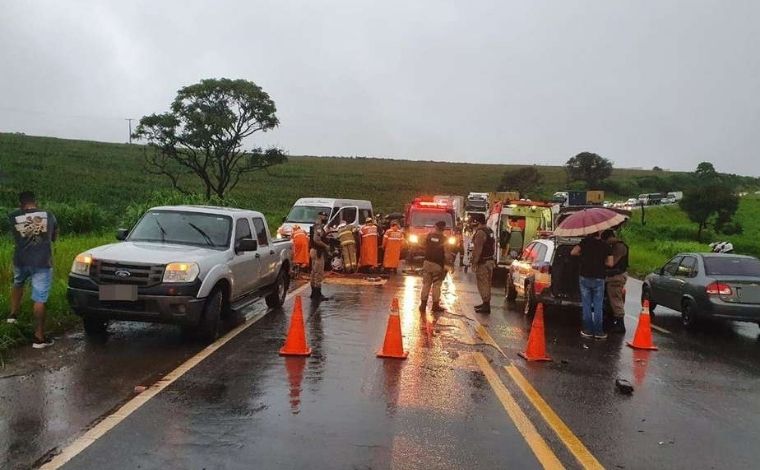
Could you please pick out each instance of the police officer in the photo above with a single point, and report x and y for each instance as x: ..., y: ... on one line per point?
x: 616, y: 278
x: 318, y: 253
x: 433, y: 268
x: 484, y: 246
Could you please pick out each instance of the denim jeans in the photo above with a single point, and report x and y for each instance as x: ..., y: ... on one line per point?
x: 592, y: 298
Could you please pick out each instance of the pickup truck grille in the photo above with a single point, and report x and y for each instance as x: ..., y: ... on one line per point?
x: 142, y: 275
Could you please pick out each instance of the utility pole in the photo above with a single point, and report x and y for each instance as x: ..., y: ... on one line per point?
x: 130, y: 128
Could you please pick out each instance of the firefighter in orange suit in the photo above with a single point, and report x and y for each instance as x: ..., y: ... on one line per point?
x: 392, y: 246
x: 369, y: 242
x: 300, y: 249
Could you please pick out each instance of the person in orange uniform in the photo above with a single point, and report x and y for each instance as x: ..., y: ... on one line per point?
x: 369, y: 242
x: 300, y: 249
x: 392, y: 247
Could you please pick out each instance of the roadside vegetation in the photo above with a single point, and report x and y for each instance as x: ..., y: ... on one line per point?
x: 94, y: 188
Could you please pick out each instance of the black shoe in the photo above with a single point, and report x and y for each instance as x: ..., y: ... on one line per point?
x: 485, y: 308
x: 319, y: 295
x: 478, y: 307
x: 618, y: 326
x: 42, y: 343
x: 437, y: 308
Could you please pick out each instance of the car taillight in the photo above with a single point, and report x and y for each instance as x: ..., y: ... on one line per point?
x: 718, y: 288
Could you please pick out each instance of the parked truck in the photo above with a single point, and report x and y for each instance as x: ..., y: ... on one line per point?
x: 184, y: 265
x: 579, y: 198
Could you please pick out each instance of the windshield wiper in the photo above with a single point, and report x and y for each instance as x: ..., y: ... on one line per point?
x: 203, y: 234
x: 163, y: 231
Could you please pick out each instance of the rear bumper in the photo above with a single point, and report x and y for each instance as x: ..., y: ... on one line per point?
x: 159, y: 304
x: 730, y: 311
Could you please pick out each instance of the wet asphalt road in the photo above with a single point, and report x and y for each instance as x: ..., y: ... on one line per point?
x: 695, y: 403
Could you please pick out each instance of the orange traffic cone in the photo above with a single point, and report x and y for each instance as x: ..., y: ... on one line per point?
x: 536, y: 350
x: 643, y: 337
x: 393, y: 347
x: 295, y: 344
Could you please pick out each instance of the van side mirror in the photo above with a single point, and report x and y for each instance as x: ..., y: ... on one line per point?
x: 246, y: 245
x: 122, y: 234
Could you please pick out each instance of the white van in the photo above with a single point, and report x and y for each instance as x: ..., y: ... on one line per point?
x: 305, y: 211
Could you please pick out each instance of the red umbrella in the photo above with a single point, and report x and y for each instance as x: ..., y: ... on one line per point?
x: 588, y: 221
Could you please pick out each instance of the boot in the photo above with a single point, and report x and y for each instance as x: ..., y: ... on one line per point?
x: 618, y: 326
x: 314, y: 291
x: 319, y: 295
x: 485, y: 308
x: 478, y: 307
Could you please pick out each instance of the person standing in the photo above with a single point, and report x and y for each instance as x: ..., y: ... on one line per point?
x: 300, y: 249
x: 369, y: 241
x: 348, y: 247
x: 433, y: 268
x: 34, y: 231
x: 484, y: 246
x: 318, y: 253
x: 392, y: 241
x: 617, y: 276
x: 595, y: 258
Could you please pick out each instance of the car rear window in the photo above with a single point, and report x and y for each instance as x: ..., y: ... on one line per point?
x: 731, y: 266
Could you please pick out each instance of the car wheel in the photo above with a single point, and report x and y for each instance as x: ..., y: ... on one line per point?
x: 688, y: 314
x: 647, y: 295
x: 94, y: 327
x: 277, y: 297
x: 208, y: 328
x: 511, y: 290
x: 530, y: 300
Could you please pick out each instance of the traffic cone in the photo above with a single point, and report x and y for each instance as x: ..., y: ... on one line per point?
x: 295, y: 344
x: 393, y: 347
x: 643, y: 337
x: 536, y: 350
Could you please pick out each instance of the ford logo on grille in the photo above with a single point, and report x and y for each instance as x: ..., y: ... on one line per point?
x: 122, y: 273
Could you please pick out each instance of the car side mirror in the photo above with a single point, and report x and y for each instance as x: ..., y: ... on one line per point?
x: 246, y: 245
x: 284, y: 219
x: 122, y: 234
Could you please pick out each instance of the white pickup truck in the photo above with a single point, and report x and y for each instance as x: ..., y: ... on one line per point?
x: 185, y: 265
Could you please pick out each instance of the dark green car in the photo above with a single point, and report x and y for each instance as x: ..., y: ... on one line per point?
x: 703, y: 285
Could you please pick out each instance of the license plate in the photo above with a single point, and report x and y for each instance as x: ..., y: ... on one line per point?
x: 118, y: 292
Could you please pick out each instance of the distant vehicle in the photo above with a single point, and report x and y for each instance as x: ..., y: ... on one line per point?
x: 420, y: 217
x: 305, y: 210
x: 578, y: 198
x: 650, y: 199
x: 632, y: 202
x: 701, y: 285
x: 677, y: 195
x: 546, y: 273
x: 457, y: 202
x: 185, y: 265
x: 668, y: 200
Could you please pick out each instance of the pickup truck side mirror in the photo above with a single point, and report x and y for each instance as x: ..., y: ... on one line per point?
x: 284, y: 219
x: 245, y: 245
x: 121, y: 234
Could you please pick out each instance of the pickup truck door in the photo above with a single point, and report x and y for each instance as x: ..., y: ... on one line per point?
x: 268, y: 256
x: 246, y: 266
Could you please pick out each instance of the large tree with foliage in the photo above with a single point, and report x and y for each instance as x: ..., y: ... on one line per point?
x: 526, y: 180
x: 588, y: 167
x: 713, y: 203
x: 203, y: 134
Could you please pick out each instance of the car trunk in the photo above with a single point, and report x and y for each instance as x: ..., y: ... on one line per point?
x: 744, y: 289
x: 565, y: 274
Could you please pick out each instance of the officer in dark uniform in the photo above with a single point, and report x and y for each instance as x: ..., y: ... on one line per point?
x: 433, y: 268
x: 318, y: 253
x: 484, y: 248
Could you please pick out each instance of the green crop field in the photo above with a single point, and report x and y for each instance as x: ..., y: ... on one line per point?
x: 95, y: 187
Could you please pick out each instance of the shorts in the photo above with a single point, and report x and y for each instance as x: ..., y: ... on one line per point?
x: 41, y: 279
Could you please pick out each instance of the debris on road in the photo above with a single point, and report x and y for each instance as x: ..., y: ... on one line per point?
x: 624, y: 386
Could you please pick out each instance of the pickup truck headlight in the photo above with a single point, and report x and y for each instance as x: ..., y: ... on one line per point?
x: 181, y: 272
x: 82, y: 264
x: 414, y: 239
x: 452, y: 240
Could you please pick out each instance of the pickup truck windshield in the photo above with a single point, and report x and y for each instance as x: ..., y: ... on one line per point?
x: 305, y: 214
x: 183, y: 228
x: 428, y: 219
x: 732, y: 266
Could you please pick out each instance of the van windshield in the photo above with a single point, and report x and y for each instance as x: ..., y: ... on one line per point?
x: 305, y: 214
x: 428, y: 219
x: 183, y: 228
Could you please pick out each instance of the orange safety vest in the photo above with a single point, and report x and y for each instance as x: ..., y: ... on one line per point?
x: 300, y: 248
x: 368, y: 255
x: 392, y: 247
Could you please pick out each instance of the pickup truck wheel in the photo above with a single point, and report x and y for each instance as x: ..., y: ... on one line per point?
x: 530, y: 300
x: 511, y: 290
x: 277, y: 297
x: 208, y: 328
x: 94, y: 327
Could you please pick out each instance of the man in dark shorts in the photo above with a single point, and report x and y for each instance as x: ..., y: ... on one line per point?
x: 596, y: 257
x: 34, y: 231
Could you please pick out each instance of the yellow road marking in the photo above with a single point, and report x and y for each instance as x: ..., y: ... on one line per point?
x: 487, y: 338
x: 654, y: 327
x: 134, y: 404
x: 571, y: 441
x: 537, y: 444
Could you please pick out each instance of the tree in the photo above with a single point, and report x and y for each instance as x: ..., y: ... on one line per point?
x: 706, y: 170
x: 588, y: 167
x: 711, y: 203
x: 656, y: 168
x: 525, y: 180
x: 204, y: 132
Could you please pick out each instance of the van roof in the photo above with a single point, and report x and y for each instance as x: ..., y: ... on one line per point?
x: 330, y: 202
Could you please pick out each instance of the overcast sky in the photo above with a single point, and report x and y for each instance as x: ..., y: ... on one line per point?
x: 644, y: 83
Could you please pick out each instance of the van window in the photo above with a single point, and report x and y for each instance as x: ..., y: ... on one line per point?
x: 242, y: 230
x: 261, y: 232
x: 349, y: 215
x: 363, y: 214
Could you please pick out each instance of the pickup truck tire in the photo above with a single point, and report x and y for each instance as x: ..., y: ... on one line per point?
x: 208, y: 328
x: 511, y: 290
x: 280, y: 291
x: 94, y: 327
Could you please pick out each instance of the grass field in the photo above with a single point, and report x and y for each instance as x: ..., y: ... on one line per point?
x: 94, y: 187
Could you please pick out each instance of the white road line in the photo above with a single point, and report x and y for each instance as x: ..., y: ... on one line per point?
x: 110, y: 421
